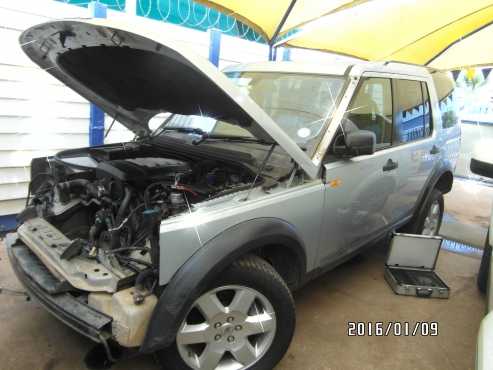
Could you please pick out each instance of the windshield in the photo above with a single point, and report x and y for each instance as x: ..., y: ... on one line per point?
x: 301, y: 104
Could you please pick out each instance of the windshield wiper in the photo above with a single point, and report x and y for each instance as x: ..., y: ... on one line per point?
x: 239, y: 139
x: 205, y: 136
x: 185, y: 130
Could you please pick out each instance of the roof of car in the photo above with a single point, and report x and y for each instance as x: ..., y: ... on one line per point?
x: 333, y: 68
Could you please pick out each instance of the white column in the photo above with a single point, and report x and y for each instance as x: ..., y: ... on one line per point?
x: 131, y: 7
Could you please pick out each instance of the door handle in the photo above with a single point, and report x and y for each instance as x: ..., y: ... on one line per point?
x: 390, y: 165
x: 435, y: 150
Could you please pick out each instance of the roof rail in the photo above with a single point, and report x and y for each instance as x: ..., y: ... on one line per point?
x: 387, y: 62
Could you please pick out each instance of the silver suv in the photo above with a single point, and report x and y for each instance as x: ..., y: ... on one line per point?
x: 188, y: 240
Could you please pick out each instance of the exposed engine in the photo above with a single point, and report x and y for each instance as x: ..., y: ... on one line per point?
x: 109, y: 201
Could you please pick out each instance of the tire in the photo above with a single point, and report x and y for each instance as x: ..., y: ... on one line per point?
x: 420, y: 224
x: 484, y: 268
x: 248, y: 276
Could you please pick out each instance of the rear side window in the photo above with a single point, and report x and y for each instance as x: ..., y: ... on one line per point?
x: 412, y: 112
x: 427, y: 107
x: 371, y: 109
x: 445, y: 87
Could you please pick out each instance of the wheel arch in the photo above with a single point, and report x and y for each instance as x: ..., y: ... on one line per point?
x: 444, y: 182
x: 442, y: 179
x: 265, y: 237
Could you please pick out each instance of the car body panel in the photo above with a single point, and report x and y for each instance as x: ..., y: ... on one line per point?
x: 360, y: 201
x: 484, y: 354
x: 182, y: 236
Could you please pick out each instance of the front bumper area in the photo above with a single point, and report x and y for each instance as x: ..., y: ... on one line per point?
x: 64, y: 306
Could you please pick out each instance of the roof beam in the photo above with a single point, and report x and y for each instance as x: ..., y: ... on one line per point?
x: 283, y: 21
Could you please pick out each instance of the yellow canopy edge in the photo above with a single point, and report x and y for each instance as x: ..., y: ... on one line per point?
x: 472, y: 51
x: 265, y: 16
x: 444, y: 34
x: 400, y: 30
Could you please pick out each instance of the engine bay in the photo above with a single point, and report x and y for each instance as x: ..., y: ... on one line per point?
x: 109, y: 201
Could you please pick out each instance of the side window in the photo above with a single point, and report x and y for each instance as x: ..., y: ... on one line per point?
x: 427, y: 104
x: 411, y: 113
x: 445, y: 87
x: 371, y: 109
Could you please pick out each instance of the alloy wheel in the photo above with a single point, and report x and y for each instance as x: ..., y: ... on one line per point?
x: 228, y: 328
x: 432, y: 220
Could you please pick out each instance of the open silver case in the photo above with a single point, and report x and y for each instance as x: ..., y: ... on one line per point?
x: 410, y: 266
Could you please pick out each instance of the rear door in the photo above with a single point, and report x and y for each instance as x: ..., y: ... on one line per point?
x: 415, y: 139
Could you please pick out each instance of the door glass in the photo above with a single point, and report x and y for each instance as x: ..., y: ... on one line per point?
x: 410, y: 111
x: 371, y: 109
x: 426, y: 99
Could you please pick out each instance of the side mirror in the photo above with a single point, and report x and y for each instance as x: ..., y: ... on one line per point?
x: 481, y: 168
x: 360, y: 142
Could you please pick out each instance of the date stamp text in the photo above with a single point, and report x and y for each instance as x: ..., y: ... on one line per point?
x: 392, y: 328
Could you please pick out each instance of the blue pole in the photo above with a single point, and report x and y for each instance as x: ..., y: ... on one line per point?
x: 286, y: 54
x: 96, y: 115
x: 272, y: 53
x: 214, y: 46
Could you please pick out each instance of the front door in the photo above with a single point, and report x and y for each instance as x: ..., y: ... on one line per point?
x: 361, y: 192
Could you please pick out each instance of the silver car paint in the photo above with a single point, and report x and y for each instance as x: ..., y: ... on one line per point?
x: 335, y: 216
x: 300, y: 206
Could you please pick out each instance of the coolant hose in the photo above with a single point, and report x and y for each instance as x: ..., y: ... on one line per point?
x: 139, y: 281
x: 123, y: 206
x: 140, y: 290
x: 115, y: 234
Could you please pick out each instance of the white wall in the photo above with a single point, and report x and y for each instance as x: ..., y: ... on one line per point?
x: 39, y: 116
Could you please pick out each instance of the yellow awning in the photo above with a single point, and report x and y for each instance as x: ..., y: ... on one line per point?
x: 264, y: 16
x: 445, y: 34
x: 439, y: 33
x: 473, y: 50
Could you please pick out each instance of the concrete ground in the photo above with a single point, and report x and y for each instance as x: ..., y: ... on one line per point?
x: 354, y: 292
x: 467, y: 212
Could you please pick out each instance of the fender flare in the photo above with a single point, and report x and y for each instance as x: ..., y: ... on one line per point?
x: 430, y: 185
x: 203, y: 267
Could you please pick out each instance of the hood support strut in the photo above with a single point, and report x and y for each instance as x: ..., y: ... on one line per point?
x: 260, y: 170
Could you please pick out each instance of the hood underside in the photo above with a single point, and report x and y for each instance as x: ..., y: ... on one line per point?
x: 133, y: 75
x: 128, y: 85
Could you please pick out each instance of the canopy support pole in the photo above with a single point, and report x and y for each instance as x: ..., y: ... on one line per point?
x: 272, y: 53
x: 272, y: 48
x: 96, y: 115
x: 214, y: 46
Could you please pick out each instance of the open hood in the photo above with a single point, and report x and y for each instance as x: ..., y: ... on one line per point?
x: 133, y: 73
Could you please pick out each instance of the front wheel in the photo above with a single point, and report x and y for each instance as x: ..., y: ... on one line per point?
x: 245, y: 320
